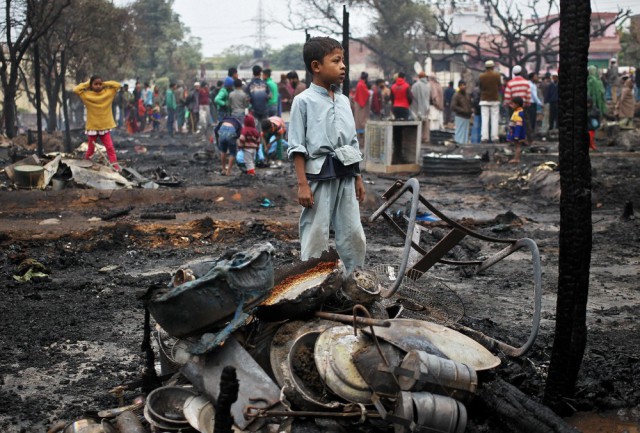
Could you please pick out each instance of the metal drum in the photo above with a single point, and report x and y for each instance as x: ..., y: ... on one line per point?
x: 423, y: 411
x: 421, y: 371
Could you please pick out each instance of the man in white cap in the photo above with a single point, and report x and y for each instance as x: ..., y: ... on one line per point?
x: 517, y: 86
x: 613, y: 80
x: 490, y: 102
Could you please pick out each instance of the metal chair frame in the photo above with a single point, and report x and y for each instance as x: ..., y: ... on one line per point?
x: 451, y: 239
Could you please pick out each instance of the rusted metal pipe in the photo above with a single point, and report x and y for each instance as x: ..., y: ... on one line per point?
x: 256, y: 412
x: 344, y: 318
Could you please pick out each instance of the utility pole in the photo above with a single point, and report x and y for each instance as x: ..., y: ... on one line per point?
x: 261, y: 33
x: 345, y: 46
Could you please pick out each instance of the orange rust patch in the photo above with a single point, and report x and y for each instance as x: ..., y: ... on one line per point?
x: 322, y: 268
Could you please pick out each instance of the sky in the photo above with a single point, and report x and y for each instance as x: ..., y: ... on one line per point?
x: 220, y: 23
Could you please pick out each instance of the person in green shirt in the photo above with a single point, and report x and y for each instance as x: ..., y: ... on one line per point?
x: 222, y: 98
x: 170, y: 103
x: 272, y: 103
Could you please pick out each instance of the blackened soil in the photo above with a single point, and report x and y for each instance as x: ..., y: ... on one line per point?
x: 69, y: 338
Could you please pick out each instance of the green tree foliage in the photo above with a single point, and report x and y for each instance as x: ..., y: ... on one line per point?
x: 398, y: 34
x: 231, y: 57
x: 76, y: 45
x: 161, y: 42
x: 401, y: 23
x: 630, y: 42
x: 287, y: 58
x: 22, y: 24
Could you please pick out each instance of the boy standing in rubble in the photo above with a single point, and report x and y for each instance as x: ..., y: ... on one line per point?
x: 324, y: 148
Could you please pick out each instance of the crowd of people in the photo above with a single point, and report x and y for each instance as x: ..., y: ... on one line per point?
x: 485, y: 108
x: 480, y: 109
x: 232, y: 110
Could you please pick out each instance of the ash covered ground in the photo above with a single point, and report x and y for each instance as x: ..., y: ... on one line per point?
x: 69, y: 338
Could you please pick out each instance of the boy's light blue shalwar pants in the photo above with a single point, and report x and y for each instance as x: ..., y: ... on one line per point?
x: 335, y: 205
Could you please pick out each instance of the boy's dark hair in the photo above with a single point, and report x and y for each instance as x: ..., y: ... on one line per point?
x: 379, y: 81
x: 531, y: 75
x: 461, y: 82
x: 316, y: 48
x: 237, y: 82
x: 518, y: 101
x: 292, y: 75
x: 450, y: 83
x: 401, y: 74
x: 267, y: 72
x: 219, y: 83
x: 231, y: 71
x: 257, y: 70
x: 171, y: 84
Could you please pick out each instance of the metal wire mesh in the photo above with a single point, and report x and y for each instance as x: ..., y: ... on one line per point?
x: 169, y: 347
x: 422, y: 297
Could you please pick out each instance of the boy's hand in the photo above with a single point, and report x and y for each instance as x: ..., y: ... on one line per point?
x: 305, y: 198
x: 360, y: 190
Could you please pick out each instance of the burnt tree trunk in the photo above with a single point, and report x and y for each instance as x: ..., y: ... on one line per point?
x: 65, y: 103
x: 9, y: 108
x: 575, y: 206
x: 518, y: 412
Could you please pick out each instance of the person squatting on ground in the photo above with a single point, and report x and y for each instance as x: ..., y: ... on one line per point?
x: 517, y: 128
x: 97, y: 96
x: 227, y: 133
x: 249, y: 142
x: 273, y: 132
x: 324, y: 148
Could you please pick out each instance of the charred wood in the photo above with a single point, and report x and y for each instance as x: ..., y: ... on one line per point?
x: 518, y: 412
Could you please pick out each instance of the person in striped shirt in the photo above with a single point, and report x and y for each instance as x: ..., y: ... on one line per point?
x: 518, y: 86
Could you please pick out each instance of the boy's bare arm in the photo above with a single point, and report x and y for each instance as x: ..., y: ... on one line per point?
x: 360, y: 190
x: 305, y: 198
